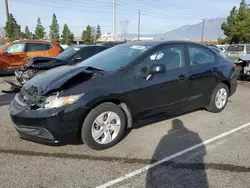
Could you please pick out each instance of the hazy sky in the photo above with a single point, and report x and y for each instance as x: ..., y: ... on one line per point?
x: 157, y: 16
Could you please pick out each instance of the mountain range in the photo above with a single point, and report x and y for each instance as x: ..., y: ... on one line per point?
x: 212, y: 31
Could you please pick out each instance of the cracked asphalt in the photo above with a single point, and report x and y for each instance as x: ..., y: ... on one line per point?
x: 223, y: 163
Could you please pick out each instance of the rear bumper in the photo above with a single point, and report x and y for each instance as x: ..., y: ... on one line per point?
x: 233, y: 87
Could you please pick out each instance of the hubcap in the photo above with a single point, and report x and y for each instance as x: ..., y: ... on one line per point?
x: 221, y: 98
x: 106, y: 127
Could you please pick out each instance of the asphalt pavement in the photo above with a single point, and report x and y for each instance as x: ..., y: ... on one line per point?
x: 199, y: 149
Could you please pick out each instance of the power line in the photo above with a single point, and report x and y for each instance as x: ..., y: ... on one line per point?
x: 171, y: 8
x: 162, y: 12
x: 56, y: 6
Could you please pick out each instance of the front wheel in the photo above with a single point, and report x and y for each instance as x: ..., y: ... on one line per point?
x: 104, y: 126
x: 219, y: 98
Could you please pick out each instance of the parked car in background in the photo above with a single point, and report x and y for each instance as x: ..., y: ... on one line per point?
x: 37, y: 64
x: 13, y: 55
x: 217, y: 50
x: 110, y: 43
x: 64, y: 46
x: 243, y: 67
x: 235, y: 51
x: 96, y: 100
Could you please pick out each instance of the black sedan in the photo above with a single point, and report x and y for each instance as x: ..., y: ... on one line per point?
x: 96, y: 100
x: 37, y: 64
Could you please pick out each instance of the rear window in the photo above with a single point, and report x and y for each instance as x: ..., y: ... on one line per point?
x: 35, y: 47
x: 235, y: 48
x: 248, y: 48
x: 48, y: 46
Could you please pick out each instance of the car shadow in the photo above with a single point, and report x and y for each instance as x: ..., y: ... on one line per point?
x: 6, y: 99
x: 176, y: 173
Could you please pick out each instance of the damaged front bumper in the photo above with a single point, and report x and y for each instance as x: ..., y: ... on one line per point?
x: 48, y: 126
x: 16, y: 85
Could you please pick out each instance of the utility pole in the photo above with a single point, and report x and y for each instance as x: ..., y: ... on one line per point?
x: 139, y: 24
x: 7, y: 10
x: 114, y: 16
x: 202, y: 32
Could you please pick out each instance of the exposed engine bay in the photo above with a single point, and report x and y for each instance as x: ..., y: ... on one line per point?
x: 32, y: 67
x: 51, y: 93
x: 243, y: 67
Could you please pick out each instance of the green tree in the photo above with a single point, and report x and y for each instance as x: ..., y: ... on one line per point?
x: 67, y: 35
x: 54, y: 30
x: 87, y: 36
x: 12, y: 29
x: 237, y: 26
x: 39, y: 31
x: 98, y: 32
x: 27, y: 33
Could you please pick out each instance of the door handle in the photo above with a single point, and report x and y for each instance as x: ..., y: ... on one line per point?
x: 182, y: 78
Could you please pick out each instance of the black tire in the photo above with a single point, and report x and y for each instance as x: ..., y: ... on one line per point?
x: 86, y: 135
x: 212, y: 105
x: 239, y: 72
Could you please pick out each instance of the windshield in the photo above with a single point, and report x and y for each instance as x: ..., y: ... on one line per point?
x: 115, y: 58
x: 235, y: 48
x: 68, y: 53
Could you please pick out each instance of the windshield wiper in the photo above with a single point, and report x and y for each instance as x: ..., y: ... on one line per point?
x: 95, y: 70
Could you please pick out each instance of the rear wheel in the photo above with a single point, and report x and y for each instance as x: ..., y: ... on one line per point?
x: 104, y: 126
x: 219, y: 98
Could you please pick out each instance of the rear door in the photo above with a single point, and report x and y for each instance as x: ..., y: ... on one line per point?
x: 15, y: 56
x: 165, y: 93
x: 203, y: 71
x: 48, y: 50
x: 35, y: 49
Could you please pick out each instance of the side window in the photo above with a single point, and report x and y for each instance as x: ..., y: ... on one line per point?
x: 248, y: 49
x: 35, y: 47
x: 199, y: 55
x: 48, y: 46
x: 101, y: 48
x: 16, y: 48
x: 87, y: 52
x: 171, y: 56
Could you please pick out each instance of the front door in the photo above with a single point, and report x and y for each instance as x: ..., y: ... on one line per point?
x: 15, y: 56
x: 163, y: 93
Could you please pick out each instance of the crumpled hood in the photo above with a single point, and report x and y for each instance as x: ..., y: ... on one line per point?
x: 32, y: 60
x: 53, y: 79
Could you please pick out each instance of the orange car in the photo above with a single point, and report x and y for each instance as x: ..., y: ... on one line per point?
x: 13, y: 55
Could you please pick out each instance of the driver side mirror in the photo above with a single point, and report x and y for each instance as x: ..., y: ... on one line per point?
x: 156, y: 69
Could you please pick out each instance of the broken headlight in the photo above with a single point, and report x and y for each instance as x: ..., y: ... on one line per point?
x: 56, y: 102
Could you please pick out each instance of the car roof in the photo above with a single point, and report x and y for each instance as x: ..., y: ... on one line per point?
x: 160, y: 42
x: 34, y: 41
x: 84, y: 46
